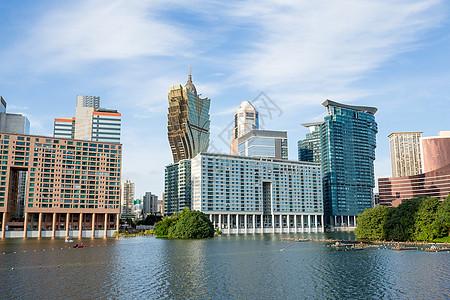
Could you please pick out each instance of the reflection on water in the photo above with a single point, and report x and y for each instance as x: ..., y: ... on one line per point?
x: 251, y: 266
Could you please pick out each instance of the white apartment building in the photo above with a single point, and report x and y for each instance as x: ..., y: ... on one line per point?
x: 257, y: 195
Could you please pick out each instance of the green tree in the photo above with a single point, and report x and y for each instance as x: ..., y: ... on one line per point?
x: 162, y: 227
x: 401, y: 225
x: 442, y: 222
x: 372, y: 223
x: 191, y: 224
x: 425, y: 226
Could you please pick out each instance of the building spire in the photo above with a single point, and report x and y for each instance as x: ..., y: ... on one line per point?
x: 190, y: 76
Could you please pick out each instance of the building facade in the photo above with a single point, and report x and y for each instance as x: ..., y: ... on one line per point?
x: 91, y: 122
x: 264, y: 143
x: 127, y: 199
x: 348, y: 142
x: 257, y: 195
x: 309, y: 148
x: 188, y: 121
x: 436, y: 151
x: 150, y: 204
x: 73, y: 186
x: 177, y: 190
x: 246, y: 119
x: 405, y: 153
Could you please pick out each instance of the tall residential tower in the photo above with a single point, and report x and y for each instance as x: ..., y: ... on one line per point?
x: 246, y: 119
x: 405, y: 153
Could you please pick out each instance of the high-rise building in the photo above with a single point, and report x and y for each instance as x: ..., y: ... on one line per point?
x: 405, y: 153
x: 150, y: 204
x: 90, y: 123
x: 264, y: 143
x: 127, y: 199
x: 177, y: 191
x: 72, y: 189
x: 246, y: 119
x: 436, y: 151
x: 348, y: 142
x: 257, y: 195
x: 309, y: 148
x: 188, y: 121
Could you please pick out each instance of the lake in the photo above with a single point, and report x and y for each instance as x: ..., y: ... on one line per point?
x: 226, y: 267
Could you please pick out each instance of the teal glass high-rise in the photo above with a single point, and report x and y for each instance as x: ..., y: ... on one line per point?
x: 348, y: 142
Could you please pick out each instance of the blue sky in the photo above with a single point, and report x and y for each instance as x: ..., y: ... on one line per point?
x: 393, y: 55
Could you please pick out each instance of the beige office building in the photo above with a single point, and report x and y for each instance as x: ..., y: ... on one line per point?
x: 72, y: 188
x: 127, y: 199
x: 406, y: 158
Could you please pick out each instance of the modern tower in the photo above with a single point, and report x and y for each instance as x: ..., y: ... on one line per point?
x: 177, y: 191
x: 246, y: 119
x: 405, y: 153
x: 90, y: 123
x: 188, y: 121
x: 150, y: 204
x: 309, y: 148
x: 348, y: 142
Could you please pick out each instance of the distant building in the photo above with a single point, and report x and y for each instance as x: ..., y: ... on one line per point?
x: 246, y: 119
x: 264, y: 143
x: 257, y: 195
x: 405, y: 153
x: 177, y: 192
x: 127, y: 199
x: 188, y: 121
x: 150, y: 204
x: 434, y: 182
x: 90, y: 123
x: 309, y: 149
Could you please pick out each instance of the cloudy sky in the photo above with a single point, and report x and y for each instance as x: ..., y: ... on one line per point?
x: 392, y: 54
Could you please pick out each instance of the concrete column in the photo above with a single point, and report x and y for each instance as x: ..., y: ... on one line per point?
x: 316, y: 227
x: 117, y: 223
x: 54, y: 225
x: 80, y: 226
x: 262, y: 223
x: 106, y: 225
x: 355, y: 220
x: 229, y: 227
x: 309, y: 223
x: 3, y: 224
x: 210, y: 217
x: 237, y: 223
x: 67, y: 225
x: 220, y: 222
x: 295, y: 223
x: 335, y: 221
x: 302, y: 219
x: 254, y: 223
x: 40, y: 225
x: 273, y: 223
x: 25, y: 225
x: 93, y: 225
x: 322, y: 223
x: 289, y: 223
x: 245, y: 223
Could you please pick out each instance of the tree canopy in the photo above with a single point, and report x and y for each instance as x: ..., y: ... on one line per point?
x: 416, y: 219
x: 188, y: 224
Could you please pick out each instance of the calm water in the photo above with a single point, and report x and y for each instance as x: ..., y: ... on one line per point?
x: 226, y: 267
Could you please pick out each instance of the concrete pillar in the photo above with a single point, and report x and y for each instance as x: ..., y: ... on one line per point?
x: 355, y: 221
x: 295, y: 223
x: 80, y: 226
x: 25, y: 225
x: 67, y: 225
x: 117, y: 223
x: 237, y: 223
x: 303, y: 222
x: 289, y: 223
x: 273, y: 223
x: 54, y: 225
x: 40, y: 225
x: 3, y: 224
x: 210, y: 217
x: 228, y: 224
x: 315, y: 221
x: 93, y: 225
x: 309, y: 223
x: 106, y: 226
x: 220, y: 222
x: 335, y: 221
x: 322, y: 223
x: 245, y: 223
x: 254, y: 223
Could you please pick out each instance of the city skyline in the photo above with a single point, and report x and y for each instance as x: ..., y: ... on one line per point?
x: 400, y: 67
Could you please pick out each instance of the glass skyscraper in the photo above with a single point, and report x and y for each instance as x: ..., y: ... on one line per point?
x: 346, y: 141
x: 264, y: 143
x: 177, y: 191
x: 188, y: 121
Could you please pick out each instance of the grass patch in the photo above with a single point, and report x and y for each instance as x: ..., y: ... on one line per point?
x: 445, y: 239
